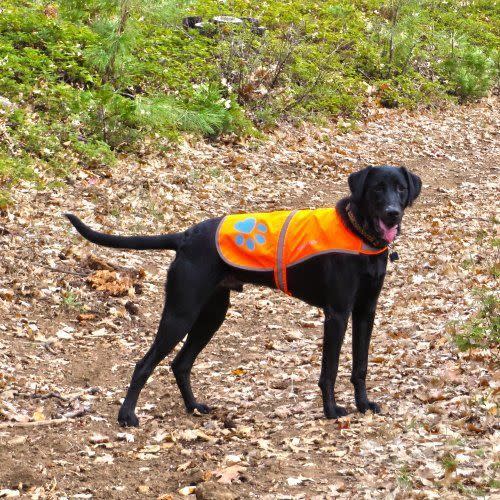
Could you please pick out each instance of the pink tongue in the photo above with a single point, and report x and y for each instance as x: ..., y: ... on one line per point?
x: 389, y: 233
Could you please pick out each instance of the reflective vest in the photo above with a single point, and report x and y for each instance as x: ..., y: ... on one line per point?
x: 275, y: 241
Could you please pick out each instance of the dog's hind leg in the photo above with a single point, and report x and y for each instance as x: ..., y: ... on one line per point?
x: 188, y: 287
x: 171, y: 330
x: 209, y: 321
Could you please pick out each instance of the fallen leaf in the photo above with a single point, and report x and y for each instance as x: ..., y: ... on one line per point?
x: 38, y: 416
x: 229, y: 474
x: 151, y: 448
x: 125, y: 436
x: 98, y: 439
x: 238, y: 372
x: 295, y: 481
x: 17, y: 440
x: 184, y: 466
x: 110, y: 282
x: 104, y: 459
x: 430, y: 396
x: 9, y: 493
x: 85, y: 317
x: 343, y: 422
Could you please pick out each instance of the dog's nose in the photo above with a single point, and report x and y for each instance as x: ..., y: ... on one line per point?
x: 392, y: 213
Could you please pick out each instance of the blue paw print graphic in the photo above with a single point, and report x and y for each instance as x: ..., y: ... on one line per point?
x: 251, y: 232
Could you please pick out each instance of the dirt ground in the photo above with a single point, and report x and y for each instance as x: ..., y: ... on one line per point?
x: 74, y: 319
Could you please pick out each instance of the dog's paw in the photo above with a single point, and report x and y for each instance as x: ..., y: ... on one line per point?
x: 199, y: 407
x: 335, y: 412
x: 128, y: 419
x: 364, y: 406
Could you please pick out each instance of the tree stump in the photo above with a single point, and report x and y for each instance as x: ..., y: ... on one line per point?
x: 191, y: 22
x: 227, y: 20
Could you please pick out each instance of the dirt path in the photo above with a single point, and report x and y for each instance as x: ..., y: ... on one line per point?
x: 66, y: 348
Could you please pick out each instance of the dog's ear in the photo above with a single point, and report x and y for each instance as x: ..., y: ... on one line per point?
x: 414, y: 186
x: 357, y: 183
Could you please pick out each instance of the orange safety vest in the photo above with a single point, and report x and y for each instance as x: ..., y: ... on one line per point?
x: 275, y: 241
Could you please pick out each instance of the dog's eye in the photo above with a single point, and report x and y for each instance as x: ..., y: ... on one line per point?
x: 401, y: 189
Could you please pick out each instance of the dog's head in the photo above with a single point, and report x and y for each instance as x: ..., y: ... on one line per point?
x: 381, y: 195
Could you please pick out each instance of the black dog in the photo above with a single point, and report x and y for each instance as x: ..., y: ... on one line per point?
x: 199, y: 284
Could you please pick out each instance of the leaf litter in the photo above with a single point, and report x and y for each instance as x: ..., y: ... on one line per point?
x: 74, y: 319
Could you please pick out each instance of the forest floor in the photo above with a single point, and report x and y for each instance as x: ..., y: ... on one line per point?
x: 67, y: 350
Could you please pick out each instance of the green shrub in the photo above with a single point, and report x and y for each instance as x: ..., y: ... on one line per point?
x: 14, y: 169
x: 205, y: 112
x: 469, y: 72
x: 482, y: 330
x: 408, y: 90
x: 94, y: 153
x: 401, y: 34
x: 89, y: 78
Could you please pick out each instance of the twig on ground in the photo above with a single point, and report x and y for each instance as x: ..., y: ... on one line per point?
x: 65, y: 271
x: 38, y: 423
x: 46, y: 396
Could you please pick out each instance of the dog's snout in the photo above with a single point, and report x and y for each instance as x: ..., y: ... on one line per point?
x: 393, y: 213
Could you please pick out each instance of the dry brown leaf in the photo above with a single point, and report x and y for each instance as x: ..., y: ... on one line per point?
x: 85, y: 317
x: 110, y: 282
x: 238, y: 372
x: 229, y: 474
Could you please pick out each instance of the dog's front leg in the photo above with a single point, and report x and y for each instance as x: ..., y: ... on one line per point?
x: 363, y: 317
x: 334, y: 331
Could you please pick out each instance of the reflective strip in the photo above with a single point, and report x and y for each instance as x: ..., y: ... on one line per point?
x: 280, y: 270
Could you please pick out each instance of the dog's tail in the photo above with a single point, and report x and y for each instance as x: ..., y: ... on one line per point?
x: 161, y: 242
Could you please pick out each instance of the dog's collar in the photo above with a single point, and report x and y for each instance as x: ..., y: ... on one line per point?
x: 374, y: 241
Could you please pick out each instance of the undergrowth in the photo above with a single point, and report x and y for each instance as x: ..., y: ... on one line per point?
x: 482, y: 331
x: 84, y: 80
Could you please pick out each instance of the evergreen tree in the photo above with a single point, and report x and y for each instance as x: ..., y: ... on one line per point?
x: 121, y: 112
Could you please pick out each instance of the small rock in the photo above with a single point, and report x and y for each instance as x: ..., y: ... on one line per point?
x: 187, y: 490
x: 195, y: 476
x: 214, y: 491
x: 144, y: 489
